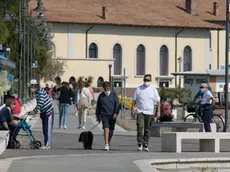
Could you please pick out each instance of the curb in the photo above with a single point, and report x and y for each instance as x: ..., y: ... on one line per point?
x: 149, y: 165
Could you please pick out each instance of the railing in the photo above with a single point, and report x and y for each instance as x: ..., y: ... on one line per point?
x: 220, y: 100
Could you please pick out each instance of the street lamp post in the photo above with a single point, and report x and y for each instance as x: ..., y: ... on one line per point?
x: 27, y: 41
x: 20, y: 50
x: 28, y: 51
x: 226, y: 66
x: 179, y: 62
x: 24, y: 50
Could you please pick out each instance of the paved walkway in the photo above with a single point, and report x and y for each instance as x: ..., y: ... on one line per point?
x: 68, y: 154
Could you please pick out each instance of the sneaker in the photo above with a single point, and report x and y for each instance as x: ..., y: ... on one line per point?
x: 140, y: 146
x: 76, y: 113
x: 146, y: 148
x: 79, y: 127
x: 65, y: 127
x: 83, y: 127
x: 45, y: 147
x: 107, y: 147
x: 60, y: 126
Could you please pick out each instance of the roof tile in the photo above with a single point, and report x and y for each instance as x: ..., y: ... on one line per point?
x: 150, y: 13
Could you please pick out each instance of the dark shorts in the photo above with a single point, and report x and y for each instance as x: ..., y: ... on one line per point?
x: 108, y: 122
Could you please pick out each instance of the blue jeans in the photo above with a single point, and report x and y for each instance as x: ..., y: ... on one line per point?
x: 64, y: 111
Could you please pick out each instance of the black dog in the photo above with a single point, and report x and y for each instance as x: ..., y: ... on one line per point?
x: 86, y: 138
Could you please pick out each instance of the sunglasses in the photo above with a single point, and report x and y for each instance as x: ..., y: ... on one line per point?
x: 146, y: 80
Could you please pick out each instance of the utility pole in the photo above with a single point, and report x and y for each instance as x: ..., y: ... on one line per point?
x: 110, y: 76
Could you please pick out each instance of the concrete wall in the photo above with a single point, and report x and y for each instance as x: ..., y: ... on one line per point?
x: 214, y: 49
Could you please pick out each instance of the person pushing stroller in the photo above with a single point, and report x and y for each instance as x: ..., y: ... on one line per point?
x: 44, y: 105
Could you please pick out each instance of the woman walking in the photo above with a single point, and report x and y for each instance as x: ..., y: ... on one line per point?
x: 64, y: 102
x: 73, y: 84
x: 84, y: 104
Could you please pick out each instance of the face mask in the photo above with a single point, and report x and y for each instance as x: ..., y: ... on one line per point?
x: 147, y: 84
x: 107, y: 92
x: 202, y: 90
x: 13, y: 106
x: 32, y: 89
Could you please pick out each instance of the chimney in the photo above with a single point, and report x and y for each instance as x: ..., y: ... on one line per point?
x: 215, y: 9
x: 190, y: 6
x: 104, y: 12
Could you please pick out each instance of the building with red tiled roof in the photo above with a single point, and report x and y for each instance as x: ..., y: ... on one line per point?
x: 147, y: 36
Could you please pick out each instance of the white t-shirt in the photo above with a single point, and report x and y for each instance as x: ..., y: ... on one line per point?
x: 206, y: 98
x: 85, y: 94
x: 146, y: 98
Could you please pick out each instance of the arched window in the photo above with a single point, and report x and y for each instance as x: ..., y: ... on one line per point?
x: 140, y: 60
x: 187, y: 58
x: 117, y: 55
x: 100, y: 81
x: 93, y: 51
x: 164, y: 60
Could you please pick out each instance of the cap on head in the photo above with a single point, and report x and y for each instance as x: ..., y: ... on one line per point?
x: 33, y: 82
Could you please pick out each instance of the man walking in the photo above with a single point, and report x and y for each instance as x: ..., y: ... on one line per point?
x: 145, y: 97
x: 107, y: 111
x: 207, y: 106
x: 45, y: 107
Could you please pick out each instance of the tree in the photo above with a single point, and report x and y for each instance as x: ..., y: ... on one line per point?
x: 88, y: 81
x: 9, y: 37
x: 176, y: 95
x: 53, y: 68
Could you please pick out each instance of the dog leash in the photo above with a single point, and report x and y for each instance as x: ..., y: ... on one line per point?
x: 94, y: 126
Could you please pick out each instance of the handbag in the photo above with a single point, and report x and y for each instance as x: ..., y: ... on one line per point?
x: 89, y: 112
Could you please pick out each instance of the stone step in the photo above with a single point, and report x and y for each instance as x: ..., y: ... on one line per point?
x: 4, y: 139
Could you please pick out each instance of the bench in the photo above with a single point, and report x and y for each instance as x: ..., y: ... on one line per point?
x: 176, y: 126
x: 4, y: 139
x: 209, y: 142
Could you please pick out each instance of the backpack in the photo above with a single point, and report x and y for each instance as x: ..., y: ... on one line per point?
x: 166, y: 112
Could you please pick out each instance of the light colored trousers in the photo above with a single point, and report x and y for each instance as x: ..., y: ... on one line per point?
x: 83, y: 111
x: 82, y: 115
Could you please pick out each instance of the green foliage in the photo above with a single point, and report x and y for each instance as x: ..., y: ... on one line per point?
x: 9, y: 37
x: 82, y: 81
x: 4, y: 31
x: 54, y: 67
x: 181, y: 95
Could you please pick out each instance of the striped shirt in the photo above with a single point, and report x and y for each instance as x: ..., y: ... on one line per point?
x: 44, y: 103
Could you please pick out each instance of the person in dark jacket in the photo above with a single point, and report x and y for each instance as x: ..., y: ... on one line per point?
x: 107, y: 111
x: 6, y: 122
x: 64, y: 103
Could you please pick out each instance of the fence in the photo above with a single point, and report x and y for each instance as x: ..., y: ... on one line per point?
x: 219, y: 96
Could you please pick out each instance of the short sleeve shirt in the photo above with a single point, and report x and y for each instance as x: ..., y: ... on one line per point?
x: 206, y: 98
x: 146, y: 98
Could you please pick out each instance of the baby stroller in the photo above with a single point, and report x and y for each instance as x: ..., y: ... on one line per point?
x: 23, y: 124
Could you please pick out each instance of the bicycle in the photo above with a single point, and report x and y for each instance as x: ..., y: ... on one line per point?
x: 196, y: 116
